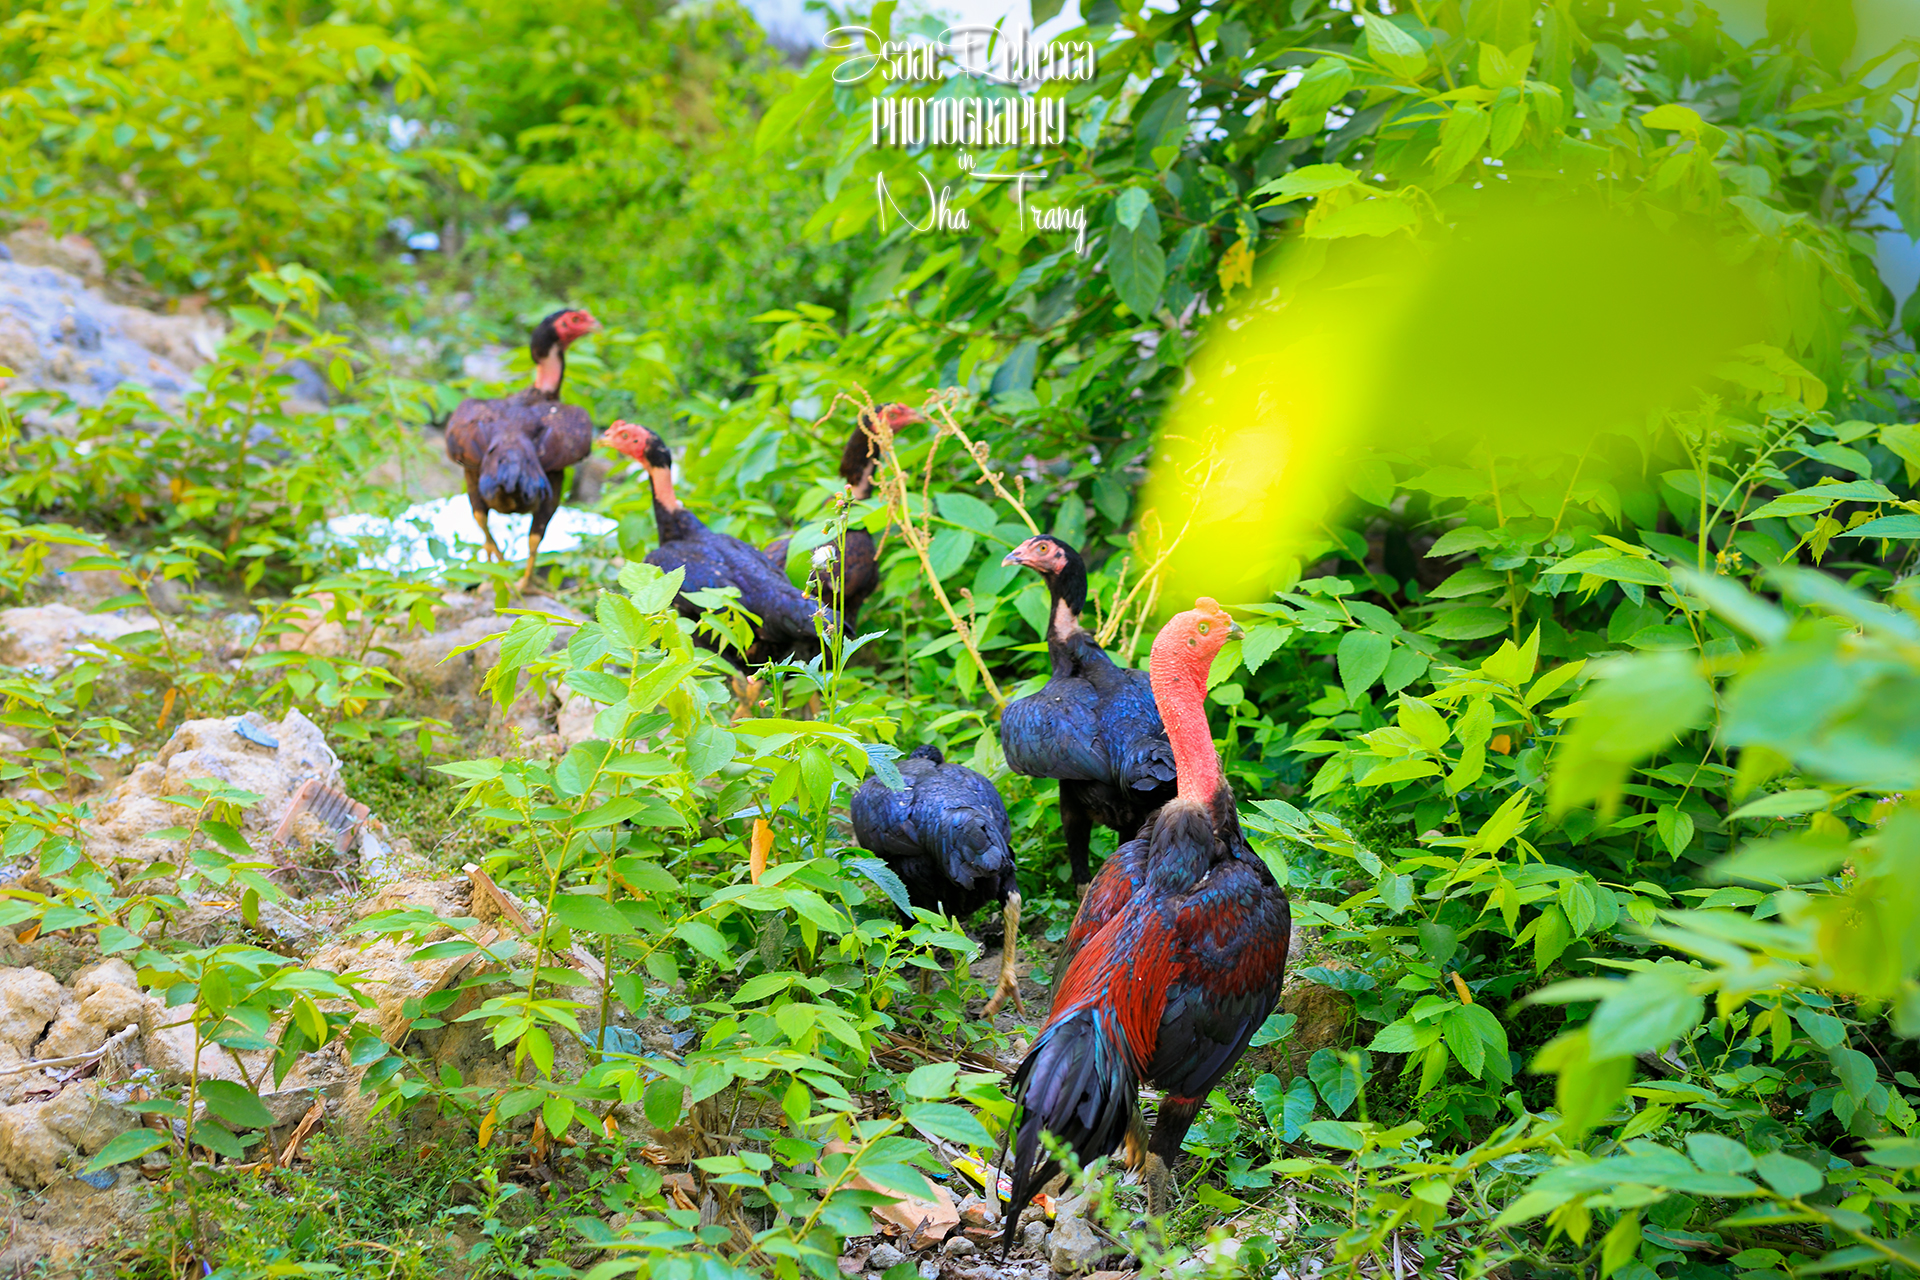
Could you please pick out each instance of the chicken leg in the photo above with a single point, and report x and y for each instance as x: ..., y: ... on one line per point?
x: 479, y: 506
x: 533, y: 553
x: 1009, y: 982
x: 538, y: 529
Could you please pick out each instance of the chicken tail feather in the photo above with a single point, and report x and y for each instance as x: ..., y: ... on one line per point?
x: 1078, y: 1084
x: 511, y: 478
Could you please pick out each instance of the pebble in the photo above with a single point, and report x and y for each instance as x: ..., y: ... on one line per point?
x: 958, y: 1247
x: 883, y: 1256
x: 929, y: 1270
x: 1034, y: 1236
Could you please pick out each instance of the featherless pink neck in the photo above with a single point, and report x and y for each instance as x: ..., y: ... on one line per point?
x: 547, y: 373
x: 662, y: 479
x: 1180, y: 691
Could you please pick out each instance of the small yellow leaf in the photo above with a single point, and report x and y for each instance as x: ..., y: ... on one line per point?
x: 1236, y: 267
x: 1501, y: 743
x: 486, y: 1125
x: 762, y: 845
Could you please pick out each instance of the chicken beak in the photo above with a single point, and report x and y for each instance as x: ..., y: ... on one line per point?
x: 1014, y: 557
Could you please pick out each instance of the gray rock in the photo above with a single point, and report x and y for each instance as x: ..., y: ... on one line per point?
x: 1034, y: 1236
x: 1074, y: 1246
x: 929, y: 1270
x: 958, y: 1246
x: 883, y: 1256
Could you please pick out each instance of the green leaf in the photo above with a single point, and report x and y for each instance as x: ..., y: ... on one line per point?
x: 944, y: 1120
x: 705, y: 939
x: 1904, y: 526
x: 1129, y: 206
x: 1377, y: 217
x: 1787, y: 1176
x: 1464, y: 130
x: 661, y: 1102
x: 587, y: 913
x: 235, y: 1104
x: 1906, y: 187
x: 130, y: 1145
x: 1471, y: 623
x: 1310, y: 179
x: 1335, y: 1078
x: 709, y: 748
x: 1362, y: 657
x: 1394, y: 49
x: 1783, y: 804
x: 1136, y: 265
x: 949, y: 551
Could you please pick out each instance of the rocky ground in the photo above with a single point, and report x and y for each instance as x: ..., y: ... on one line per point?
x: 79, y: 1040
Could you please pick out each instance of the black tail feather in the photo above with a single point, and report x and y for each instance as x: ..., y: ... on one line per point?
x: 511, y: 478
x: 1077, y: 1084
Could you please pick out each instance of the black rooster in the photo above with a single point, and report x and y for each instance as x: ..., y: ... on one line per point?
x: 859, y: 577
x: 1093, y: 726
x: 515, y: 449
x: 1174, y: 960
x: 946, y: 835
x: 710, y: 559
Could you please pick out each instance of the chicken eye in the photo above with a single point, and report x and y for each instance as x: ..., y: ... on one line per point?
x: 1206, y: 628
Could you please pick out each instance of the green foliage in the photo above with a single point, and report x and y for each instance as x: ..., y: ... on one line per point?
x: 1590, y: 775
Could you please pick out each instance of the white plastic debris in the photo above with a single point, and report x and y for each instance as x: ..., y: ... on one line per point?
x: 431, y: 535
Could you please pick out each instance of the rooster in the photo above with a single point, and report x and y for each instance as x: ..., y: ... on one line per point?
x: 1174, y: 960
x: 1093, y: 725
x: 848, y: 589
x: 945, y: 834
x: 515, y: 449
x: 786, y: 618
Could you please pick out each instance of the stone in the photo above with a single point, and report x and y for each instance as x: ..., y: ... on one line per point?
x: 929, y: 1270
x: 55, y: 635
x: 30, y: 1152
x: 70, y: 1035
x: 958, y: 1247
x: 32, y: 246
x: 29, y: 1000
x: 1074, y: 1247
x: 1034, y: 1236
x: 211, y: 749
x: 83, y: 1116
x: 112, y: 972
x: 883, y: 1256
x: 62, y: 335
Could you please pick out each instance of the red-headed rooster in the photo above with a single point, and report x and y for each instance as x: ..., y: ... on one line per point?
x: 859, y: 577
x: 1174, y: 960
x: 1093, y: 726
x: 515, y: 449
x: 719, y: 560
x: 945, y: 834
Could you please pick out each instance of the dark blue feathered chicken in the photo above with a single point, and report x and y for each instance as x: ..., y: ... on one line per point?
x: 1093, y: 726
x: 710, y: 559
x: 1174, y: 960
x: 945, y: 834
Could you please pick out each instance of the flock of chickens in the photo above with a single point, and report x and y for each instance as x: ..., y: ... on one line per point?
x: 1177, y: 952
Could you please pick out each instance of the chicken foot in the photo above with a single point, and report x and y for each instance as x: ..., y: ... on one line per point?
x: 533, y: 553
x: 493, y: 548
x: 1009, y: 982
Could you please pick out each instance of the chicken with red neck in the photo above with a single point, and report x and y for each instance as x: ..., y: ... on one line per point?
x: 790, y: 623
x: 548, y: 347
x: 1175, y: 958
x: 516, y: 449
